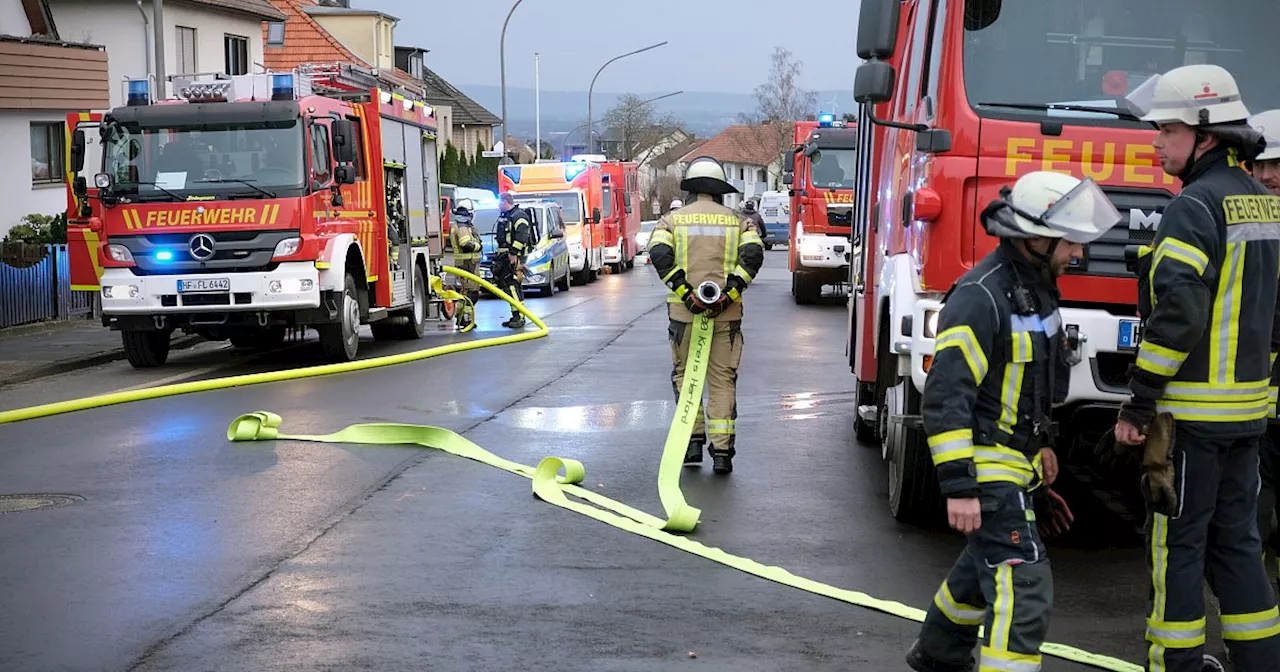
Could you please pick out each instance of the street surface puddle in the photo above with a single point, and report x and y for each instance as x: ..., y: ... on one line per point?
x: 656, y: 413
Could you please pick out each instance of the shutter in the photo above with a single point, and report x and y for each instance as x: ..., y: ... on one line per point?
x: 186, y: 50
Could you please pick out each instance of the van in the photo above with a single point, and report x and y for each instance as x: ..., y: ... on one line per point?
x: 775, y: 209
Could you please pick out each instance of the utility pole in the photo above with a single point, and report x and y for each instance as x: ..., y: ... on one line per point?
x: 157, y: 24
x: 537, y: 107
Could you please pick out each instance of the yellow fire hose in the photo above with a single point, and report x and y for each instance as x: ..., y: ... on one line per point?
x: 555, y: 479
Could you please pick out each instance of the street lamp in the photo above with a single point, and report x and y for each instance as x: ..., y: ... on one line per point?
x: 590, y: 89
x: 502, y: 58
x: 646, y: 102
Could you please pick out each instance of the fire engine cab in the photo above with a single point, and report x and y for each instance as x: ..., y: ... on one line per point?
x: 249, y: 205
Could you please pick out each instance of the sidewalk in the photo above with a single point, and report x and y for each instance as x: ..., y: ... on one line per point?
x: 32, y: 351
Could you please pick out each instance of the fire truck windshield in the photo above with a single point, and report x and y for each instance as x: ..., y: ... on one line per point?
x: 1024, y: 57
x: 834, y: 168
x: 569, y: 201
x: 223, y: 161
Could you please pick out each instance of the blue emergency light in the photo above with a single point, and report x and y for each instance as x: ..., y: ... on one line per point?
x: 164, y: 255
x: 826, y: 119
x: 573, y: 170
x: 282, y: 86
x: 139, y: 92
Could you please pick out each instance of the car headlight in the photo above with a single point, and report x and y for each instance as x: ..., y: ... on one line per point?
x: 287, y: 248
x: 810, y: 247
x: 120, y: 254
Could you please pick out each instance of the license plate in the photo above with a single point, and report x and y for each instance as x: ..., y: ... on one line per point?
x: 197, y: 285
x: 1130, y: 336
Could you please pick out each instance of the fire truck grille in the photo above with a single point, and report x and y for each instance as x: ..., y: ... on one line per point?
x: 840, y: 217
x: 1140, y: 210
x: 232, y: 252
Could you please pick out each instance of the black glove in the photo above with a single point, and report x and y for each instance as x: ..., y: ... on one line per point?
x: 676, y: 281
x: 1053, y: 516
x: 1139, y: 412
x: 734, y: 287
x: 693, y: 304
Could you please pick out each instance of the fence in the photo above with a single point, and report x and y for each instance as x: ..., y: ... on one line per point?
x: 35, y: 285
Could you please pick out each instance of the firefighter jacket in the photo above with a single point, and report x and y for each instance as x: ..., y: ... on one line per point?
x: 705, y: 241
x: 1207, y: 295
x: 996, y: 372
x: 466, y: 244
x: 514, y: 232
x: 756, y: 221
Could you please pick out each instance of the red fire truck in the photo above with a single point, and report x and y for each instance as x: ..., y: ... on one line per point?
x: 820, y: 171
x: 250, y: 205
x: 621, y: 193
x: 959, y: 99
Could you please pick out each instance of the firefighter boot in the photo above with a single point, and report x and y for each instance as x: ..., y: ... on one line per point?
x: 693, y: 454
x: 516, y: 322
x: 1157, y: 467
x: 721, y: 463
x: 917, y: 661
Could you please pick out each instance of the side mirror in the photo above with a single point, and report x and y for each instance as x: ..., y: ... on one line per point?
x: 788, y: 163
x: 626, y: 200
x: 595, y: 215
x: 558, y: 233
x: 810, y: 151
x: 877, y: 29
x: 873, y: 83
x: 627, y: 209
x: 345, y: 174
x: 344, y: 148
x: 786, y: 178
x: 80, y: 186
x: 933, y: 141
x: 77, y: 151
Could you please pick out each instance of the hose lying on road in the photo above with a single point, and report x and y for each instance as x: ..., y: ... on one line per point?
x: 548, y: 483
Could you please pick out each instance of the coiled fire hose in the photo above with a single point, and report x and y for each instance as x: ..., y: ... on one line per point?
x: 555, y: 480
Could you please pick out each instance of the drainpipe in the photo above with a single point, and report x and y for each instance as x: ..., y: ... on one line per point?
x: 146, y: 35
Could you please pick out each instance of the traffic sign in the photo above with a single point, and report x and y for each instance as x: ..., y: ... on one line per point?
x: 491, y: 154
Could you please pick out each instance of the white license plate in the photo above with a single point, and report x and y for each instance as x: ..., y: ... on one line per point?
x: 197, y: 285
x: 1130, y: 336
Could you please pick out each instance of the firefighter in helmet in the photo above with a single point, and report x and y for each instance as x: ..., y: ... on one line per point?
x: 999, y: 365
x: 701, y: 242
x: 1207, y: 294
x: 515, y: 238
x: 466, y: 256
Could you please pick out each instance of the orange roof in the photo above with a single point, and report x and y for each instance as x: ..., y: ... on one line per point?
x: 745, y: 145
x: 306, y: 41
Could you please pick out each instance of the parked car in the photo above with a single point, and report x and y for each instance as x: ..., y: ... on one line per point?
x: 547, y: 264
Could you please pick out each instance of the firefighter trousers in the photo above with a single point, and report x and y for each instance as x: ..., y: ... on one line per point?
x: 721, y: 387
x: 504, y: 276
x: 1213, y: 536
x: 1002, y: 581
x: 1268, y: 502
x: 469, y: 288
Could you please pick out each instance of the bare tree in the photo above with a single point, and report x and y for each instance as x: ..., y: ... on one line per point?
x: 637, y: 126
x: 780, y: 101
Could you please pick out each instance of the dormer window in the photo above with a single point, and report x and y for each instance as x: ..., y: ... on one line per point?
x: 415, y: 65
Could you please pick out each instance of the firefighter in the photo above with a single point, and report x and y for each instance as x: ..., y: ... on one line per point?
x: 466, y: 255
x: 749, y: 211
x: 515, y: 236
x: 1207, y: 295
x: 705, y: 241
x: 999, y: 365
x: 676, y: 204
x: 1266, y: 168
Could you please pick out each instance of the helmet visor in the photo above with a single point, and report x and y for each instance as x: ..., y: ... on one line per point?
x: 1141, y: 99
x: 1083, y: 214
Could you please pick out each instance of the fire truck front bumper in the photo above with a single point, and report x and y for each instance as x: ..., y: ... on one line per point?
x: 613, y: 254
x: 821, y: 251
x: 292, y: 285
x: 1103, y: 346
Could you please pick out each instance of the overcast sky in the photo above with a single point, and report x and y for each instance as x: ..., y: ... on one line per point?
x: 713, y: 45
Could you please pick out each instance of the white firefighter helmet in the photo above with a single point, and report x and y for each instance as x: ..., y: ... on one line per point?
x: 676, y: 203
x: 1196, y: 95
x: 705, y: 175
x: 1268, y: 124
x: 1049, y: 204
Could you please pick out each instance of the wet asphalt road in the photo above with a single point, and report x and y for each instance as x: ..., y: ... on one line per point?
x: 193, y: 553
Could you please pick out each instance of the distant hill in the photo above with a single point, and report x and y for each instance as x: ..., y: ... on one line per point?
x: 705, y: 113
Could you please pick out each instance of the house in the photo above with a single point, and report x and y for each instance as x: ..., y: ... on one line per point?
x: 750, y: 156
x: 200, y: 36
x: 333, y: 33
x: 469, y: 122
x: 42, y: 79
x: 663, y: 158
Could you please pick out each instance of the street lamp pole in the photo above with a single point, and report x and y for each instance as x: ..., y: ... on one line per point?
x: 591, y: 89
x: 646, y: 102
x: 537, y: 108
x: 502, y: 59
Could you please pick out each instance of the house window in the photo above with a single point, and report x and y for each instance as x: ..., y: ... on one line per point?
x: 415, y: 66
x: 46, y: 152
x: 275, y: 34
x: 237, y: 54
x: 760, y: 175
x: 185, y: 47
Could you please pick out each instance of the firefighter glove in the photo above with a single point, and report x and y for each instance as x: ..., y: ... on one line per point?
x: 1138, y: 411
x: 677, y: 281
x: 734, y: 288
x: 1053, y: 516
x: 1157, y: 481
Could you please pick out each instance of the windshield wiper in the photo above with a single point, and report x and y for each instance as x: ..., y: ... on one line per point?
x: 1123, y: 114
x: 247, y: 183
x: 158, y: 188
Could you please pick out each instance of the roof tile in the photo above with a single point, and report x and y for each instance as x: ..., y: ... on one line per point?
x: 746, y: 145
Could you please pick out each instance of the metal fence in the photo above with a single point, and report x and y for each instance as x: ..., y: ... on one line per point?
x: 35, y: 285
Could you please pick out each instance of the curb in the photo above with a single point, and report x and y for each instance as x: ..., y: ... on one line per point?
x: 70, y: 364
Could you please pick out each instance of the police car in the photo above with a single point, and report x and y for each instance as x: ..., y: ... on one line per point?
x: 547, y: 264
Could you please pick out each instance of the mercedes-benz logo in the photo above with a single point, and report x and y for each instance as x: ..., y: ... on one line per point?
x: 201, y: 246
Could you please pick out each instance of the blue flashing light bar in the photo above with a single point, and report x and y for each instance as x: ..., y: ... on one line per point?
x: 139, y: 92
x: 826, y: 119
x: 282, y: 86
x: 164, y: 255
x: 573, y: 170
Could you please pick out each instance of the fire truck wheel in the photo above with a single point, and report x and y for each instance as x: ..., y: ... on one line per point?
x: 341, y: 340
x: 146, y: 349
x: 807, y: 288
x: 416, y: 317
x: 914, y: 497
